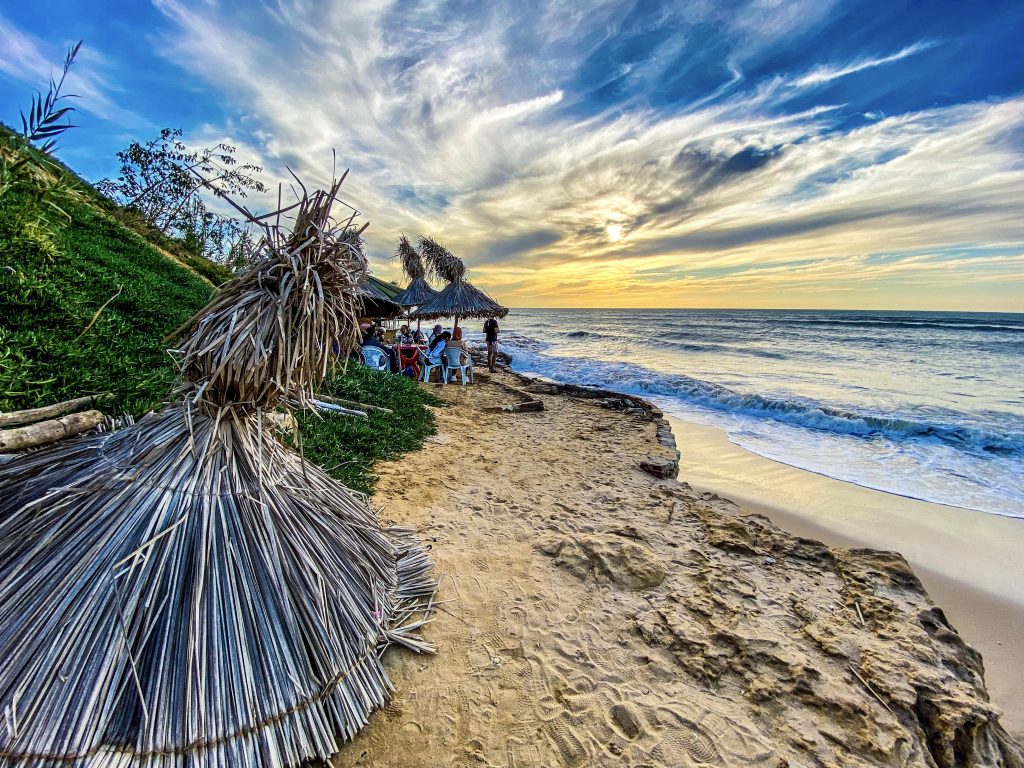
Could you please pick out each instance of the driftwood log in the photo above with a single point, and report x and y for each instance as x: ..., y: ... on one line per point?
x: 32, y: 415
x: 48, y: 431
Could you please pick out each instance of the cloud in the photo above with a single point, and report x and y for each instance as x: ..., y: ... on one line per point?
x: 822, y: 75
x: 474, y: 124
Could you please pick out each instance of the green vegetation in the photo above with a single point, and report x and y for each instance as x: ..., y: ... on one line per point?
x: 85, y: 301
x: 347, y: 447
x: 89, y: 292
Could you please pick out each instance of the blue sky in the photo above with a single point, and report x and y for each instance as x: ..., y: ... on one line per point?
x: 764, y: 153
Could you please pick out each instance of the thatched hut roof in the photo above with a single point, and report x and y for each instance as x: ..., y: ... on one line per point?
x: 460, y: 299
x: 418, y: 292
x: 378, y: 298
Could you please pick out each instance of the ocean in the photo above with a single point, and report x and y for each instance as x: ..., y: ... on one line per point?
x: 928, y: 405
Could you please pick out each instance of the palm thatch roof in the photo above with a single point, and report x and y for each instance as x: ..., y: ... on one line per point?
x: 418, y: 292
x: 419, y: 289
x: 188, y: 591
x: 460, y: 299
x: 378, y: 298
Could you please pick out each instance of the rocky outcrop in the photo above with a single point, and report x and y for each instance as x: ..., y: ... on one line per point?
x: 606, y: 558
x: 833, y: 648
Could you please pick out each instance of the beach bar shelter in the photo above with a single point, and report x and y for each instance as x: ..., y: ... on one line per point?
x: 460, y: 299
x: 378, y: 298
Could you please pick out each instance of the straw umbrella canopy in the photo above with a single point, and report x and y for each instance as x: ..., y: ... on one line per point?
x: 419, y: 290
x: 459, y: 298
x: 189, y: 591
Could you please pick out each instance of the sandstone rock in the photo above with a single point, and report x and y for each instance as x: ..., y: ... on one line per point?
x: 660, y: 467
x: 608, y: 558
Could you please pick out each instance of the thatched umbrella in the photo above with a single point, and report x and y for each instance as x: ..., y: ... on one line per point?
x: 187, y: 591
x: 419, y: 290
x: 459, y: 298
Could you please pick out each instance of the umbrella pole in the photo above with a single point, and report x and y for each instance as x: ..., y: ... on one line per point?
x: 456, y: 323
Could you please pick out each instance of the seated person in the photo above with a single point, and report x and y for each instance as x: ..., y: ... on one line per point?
x: 372, y: 339
x: 435, y: 333
x: 404, y: 336
x: 436, y: 347
x: 458, y: 343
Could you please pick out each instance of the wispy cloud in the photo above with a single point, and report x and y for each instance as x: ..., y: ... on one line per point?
x: 477, y: 126
x: 826, y: 74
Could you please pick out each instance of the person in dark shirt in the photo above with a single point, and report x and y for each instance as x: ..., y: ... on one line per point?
x: 491, y: 336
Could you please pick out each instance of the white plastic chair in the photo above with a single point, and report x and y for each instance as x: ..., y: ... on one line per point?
x: 376, y: 358
x: 452, y: 359
x: 426, y: 366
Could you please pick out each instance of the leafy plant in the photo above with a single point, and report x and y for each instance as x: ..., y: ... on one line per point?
x: 43, y: 120
x: 347, y: 447
x: 159, y: 180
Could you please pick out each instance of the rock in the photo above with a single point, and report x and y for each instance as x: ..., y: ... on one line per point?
x: 660, y: 467
x: 609, y: 558
x: 543, y: 389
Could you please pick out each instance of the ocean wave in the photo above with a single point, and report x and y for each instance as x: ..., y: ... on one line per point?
x: 626, y: 377
x: 927, y: 325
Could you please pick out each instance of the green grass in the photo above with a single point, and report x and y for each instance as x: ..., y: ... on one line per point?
x: 48, y: 299
x: 54, y: 281
x: 347, y: 446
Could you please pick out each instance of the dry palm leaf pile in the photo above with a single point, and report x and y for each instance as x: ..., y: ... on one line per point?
x: 187, y: 591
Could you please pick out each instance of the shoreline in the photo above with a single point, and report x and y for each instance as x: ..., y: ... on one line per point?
x: 592, y: 611
x: 970, y: 562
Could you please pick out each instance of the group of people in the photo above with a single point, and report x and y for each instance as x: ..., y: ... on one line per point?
x: 438, y: 340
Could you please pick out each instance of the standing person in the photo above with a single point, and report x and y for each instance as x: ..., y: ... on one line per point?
x: 491, y: 334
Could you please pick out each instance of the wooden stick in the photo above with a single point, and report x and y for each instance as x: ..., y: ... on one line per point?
x: 48, y: 431
x: 353, y: 403
x: 32, y: 415
x: 859, y: 614
x: 871, y: 690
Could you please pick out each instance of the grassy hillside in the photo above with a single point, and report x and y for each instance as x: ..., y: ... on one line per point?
x: 88, y: 296
x: 55, y: 278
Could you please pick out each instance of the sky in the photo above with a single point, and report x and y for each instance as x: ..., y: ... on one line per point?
x: 764, y: 153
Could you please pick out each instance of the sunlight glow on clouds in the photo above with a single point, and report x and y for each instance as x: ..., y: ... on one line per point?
x: 754, y: 153
x: 468, y: 127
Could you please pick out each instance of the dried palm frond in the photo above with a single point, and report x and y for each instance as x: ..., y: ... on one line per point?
x: 441, y: 263
x: 187, y: 591
x: 412, y: 262
x: 267, y: 335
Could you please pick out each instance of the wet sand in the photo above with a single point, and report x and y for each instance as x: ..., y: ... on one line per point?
x: 971, y: 563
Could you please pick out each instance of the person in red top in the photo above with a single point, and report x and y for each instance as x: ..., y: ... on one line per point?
x: 491, y: 334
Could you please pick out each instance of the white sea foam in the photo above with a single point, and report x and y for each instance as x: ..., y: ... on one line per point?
x: 886, y: 410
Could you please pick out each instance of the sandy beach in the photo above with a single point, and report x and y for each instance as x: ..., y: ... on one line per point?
x: 969, y: 562
x: 591, y: 614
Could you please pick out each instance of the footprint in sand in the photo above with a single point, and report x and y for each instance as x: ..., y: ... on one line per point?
x: 707, y: 739
x: 562, y: 731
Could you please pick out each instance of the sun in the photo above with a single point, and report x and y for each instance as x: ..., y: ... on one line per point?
x: 614, y: 232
